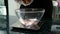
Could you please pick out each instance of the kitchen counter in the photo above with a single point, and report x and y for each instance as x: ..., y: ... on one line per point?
x: 25, y: 31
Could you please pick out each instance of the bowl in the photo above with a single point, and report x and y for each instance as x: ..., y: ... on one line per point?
x: 30, y: 16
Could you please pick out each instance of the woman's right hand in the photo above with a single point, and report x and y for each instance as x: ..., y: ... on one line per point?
x: 26, y: 1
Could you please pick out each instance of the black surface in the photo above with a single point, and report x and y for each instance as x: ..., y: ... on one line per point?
x: 23, y: 30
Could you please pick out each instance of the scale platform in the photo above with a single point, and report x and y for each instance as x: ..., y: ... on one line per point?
x: 19, y: 27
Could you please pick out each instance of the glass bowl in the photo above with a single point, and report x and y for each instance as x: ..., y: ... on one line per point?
x: 30, y: 16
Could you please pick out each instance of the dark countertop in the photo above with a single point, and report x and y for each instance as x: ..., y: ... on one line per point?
x: 26, y: 31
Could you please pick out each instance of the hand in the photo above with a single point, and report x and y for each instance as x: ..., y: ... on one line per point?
x: 26, y: 1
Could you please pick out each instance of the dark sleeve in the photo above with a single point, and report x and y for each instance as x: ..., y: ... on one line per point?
x: 48, y: 11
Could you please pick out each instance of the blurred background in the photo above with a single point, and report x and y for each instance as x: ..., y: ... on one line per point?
x: 3, y: 19
x: 55, y: 28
